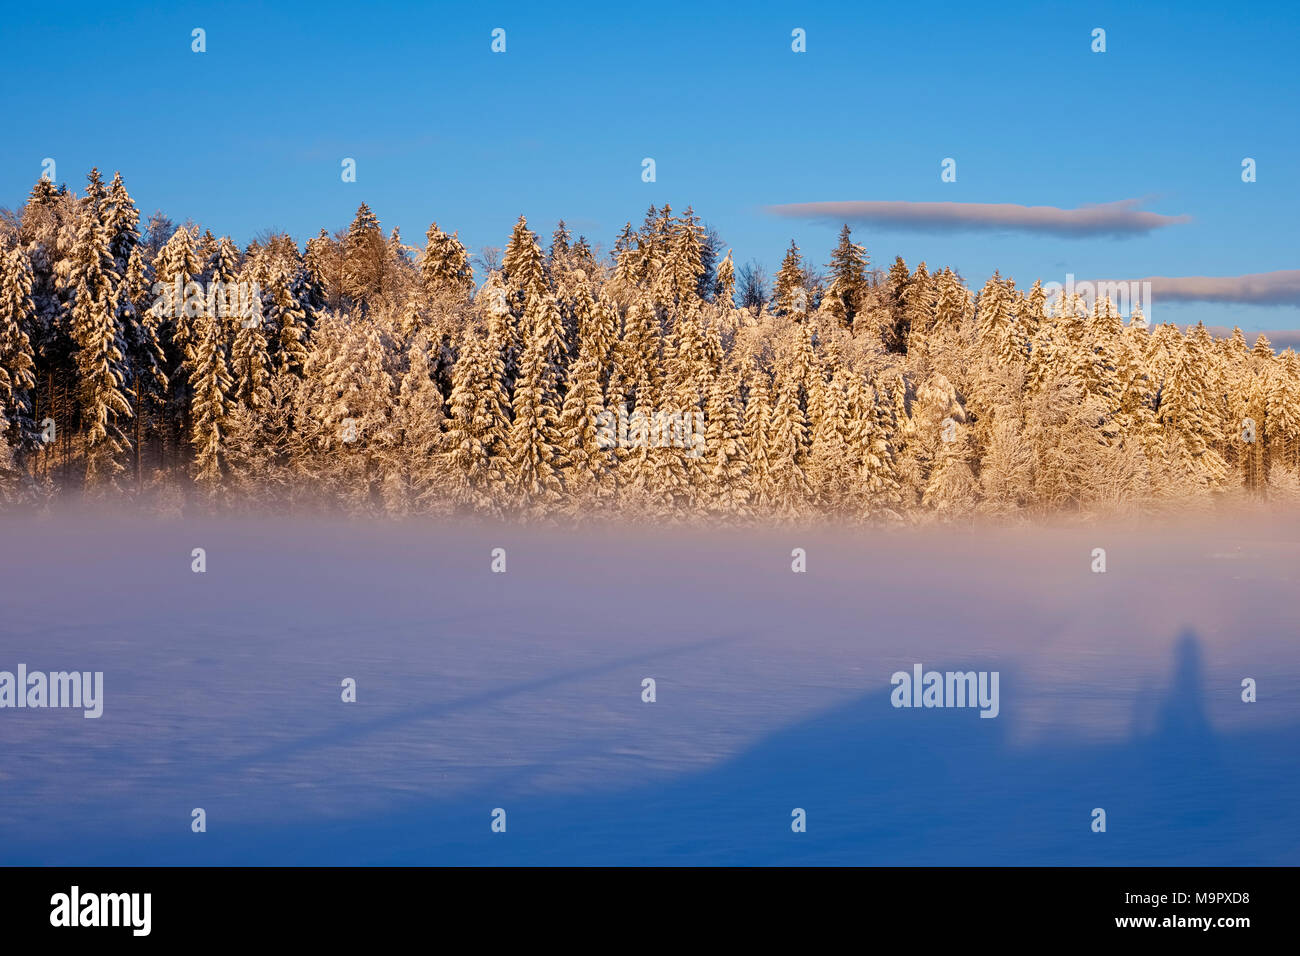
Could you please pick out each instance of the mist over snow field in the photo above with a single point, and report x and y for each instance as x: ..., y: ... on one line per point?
x: 523, y: 691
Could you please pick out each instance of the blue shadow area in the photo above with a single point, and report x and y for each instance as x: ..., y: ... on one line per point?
x: 879, y: 785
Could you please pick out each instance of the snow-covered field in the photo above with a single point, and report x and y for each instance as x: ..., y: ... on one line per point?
x: 523, y: 691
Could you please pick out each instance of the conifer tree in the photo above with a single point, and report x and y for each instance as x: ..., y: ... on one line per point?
x: 1187, y: 422
x: 918, y: 304
x: 476, y: 428
x: 535, y: 455
x: 285, y: 321
x: 953, y: 302
x: 790, y: 294
x: 413, y: 477
x: 996, y: 322
x: 17, y: 361
x: 879, y: 489
x: 686, y: 259
x: 724, y: 450
x: 93, y: 315
x: 224, y: 299
x: 586, y: 451
x: 848, y: 269
x: 176, y: 269
x: 122, y: 220
x: 365, y: 259
x: 211, y: 383
x: 558, y: 255
x: 725, y: 289
x: 445, y: 269
x: 787, y: 453
x: 250, y: 365
x: 524, y: 266
x: 830, y: 454
x: 1284, y: 410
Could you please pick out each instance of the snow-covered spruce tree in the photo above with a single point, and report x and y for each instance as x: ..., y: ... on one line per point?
x: 176, y: 266
x: 787, y: 450
x: 725, y: 287
x: 1191, y: 422
x: 637, y: 369
x: 623, y: 283
x: 413, y: 476
x: 585, y: 438
x: 591, y: 326
x: 688, y: 375
x: 210, y: 384
x: 259, y: 446
x: 366, y: 260
x: 758, y: 439
x: 122, y: 220
x: 1284, y: 411
x: 894, y: 332
x: 524, y: 266
x: 558, y: 254
x: 46, y: 231
x: 1073, y: 464
x: 505, y: 331
x: 322, y: 267
x: 17, y: 361
x: 250, y: 362
x: 445, y: 269
x: 952, y: 490
x: 535, y: 455
x: 100, y: 359
x: 146, y: 381
x: 997, y: 323
x: 604, y: 337
x: 918, y: 305
x: 848, y: 275
x: 351, y: 393
x: 1031, y: 313
x: 830, y: 470
x: 876, y: 490
x: 657, y: 480
x: 685, y: 264
x: 475, y: 440
x: 952, y: 321
x: 789, y: 292
x: 583, y: 258
x: 11, y: 476
x: 727, y: 491
x: 1134, y: 400
x: 1254, y: 434
x: 223, y: 293
x: 206, y: 250
x: 938, y: 420
x: 286, y: 321
x: 1104, y: 332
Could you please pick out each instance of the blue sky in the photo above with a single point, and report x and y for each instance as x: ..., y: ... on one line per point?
x: 251, y: 133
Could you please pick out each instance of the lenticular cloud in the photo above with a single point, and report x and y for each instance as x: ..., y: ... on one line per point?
x: 1121, y: 218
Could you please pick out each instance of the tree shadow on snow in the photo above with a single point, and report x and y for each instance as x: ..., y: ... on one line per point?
x: 878, y: 784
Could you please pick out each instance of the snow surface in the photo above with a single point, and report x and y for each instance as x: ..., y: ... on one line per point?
x: 523, y: 691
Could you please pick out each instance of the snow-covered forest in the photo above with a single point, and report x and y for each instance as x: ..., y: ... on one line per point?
x: 158, y: 363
